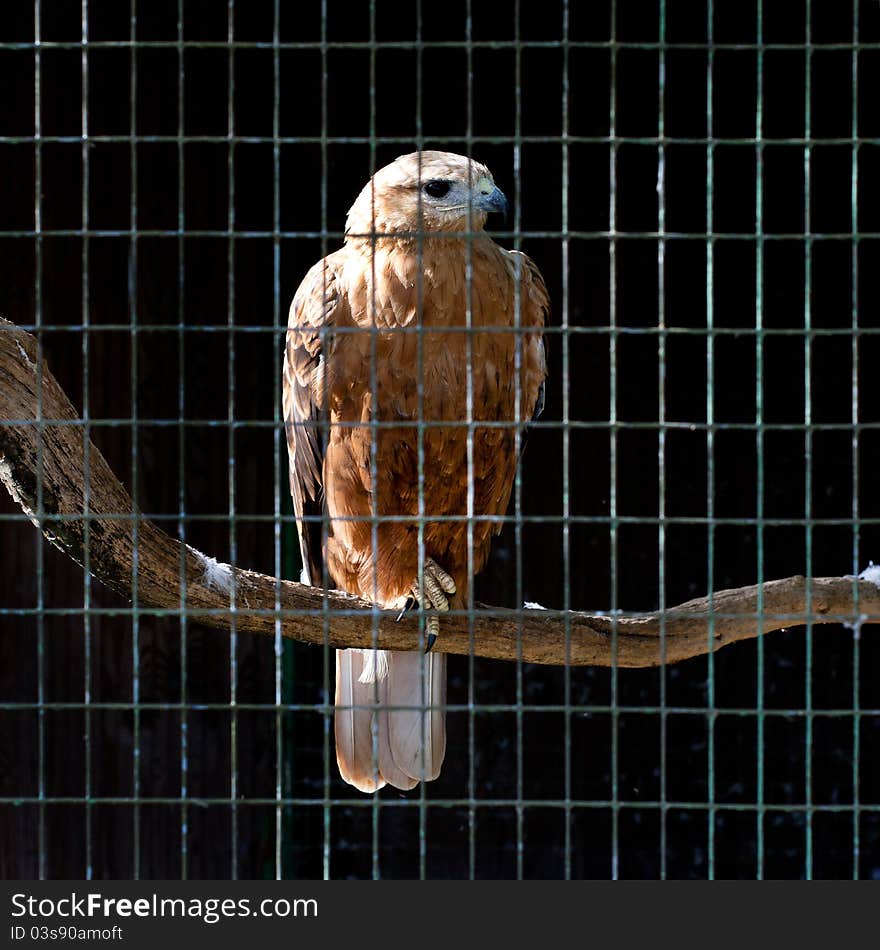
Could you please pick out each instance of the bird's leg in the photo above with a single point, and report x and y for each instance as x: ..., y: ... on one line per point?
x: 432, y: 595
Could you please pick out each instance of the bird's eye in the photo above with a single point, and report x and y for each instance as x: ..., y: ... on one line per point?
x: 436, y: 189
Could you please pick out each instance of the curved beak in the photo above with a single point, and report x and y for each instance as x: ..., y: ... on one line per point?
x: 494, y: 200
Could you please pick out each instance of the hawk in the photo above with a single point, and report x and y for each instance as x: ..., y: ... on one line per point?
x: 413, y: 355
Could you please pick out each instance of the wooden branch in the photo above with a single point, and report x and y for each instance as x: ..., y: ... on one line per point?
x: 42, y: 464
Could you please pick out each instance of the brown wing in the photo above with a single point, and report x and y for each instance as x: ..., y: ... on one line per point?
x: 316, y: 306
x: 535, y: 310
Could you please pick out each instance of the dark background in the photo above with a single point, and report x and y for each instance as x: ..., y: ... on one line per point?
x: 182, y: 326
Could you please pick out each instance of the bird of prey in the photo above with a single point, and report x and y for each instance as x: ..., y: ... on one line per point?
x: 413, y: 356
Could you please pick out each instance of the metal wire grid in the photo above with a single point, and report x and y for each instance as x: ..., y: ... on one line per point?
x: 564, y: 330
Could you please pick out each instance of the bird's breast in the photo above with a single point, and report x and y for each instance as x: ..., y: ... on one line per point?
x: 438, y: 334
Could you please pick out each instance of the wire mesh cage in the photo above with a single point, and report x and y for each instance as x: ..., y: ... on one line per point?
x: 700, y: 194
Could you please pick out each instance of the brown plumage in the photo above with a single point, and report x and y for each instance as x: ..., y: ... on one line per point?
x: 377, y: 334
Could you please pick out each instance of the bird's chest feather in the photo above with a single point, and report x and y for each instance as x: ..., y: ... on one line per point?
x: 428, y: 342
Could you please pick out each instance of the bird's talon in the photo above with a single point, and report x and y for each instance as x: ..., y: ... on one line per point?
x: 444, y: 580
x: 410, y: 603
x: 432, y: 631
x: 432, y: 595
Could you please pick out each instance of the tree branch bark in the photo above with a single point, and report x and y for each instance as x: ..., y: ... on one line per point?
x: 43, y: 456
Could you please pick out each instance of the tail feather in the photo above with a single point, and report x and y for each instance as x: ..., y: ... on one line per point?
x: 353, y: 724
x: 388, y: 767
x: 417, y: 733
x: 411, y: 741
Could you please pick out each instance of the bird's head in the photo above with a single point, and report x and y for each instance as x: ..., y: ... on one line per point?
x: 426, y: 192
